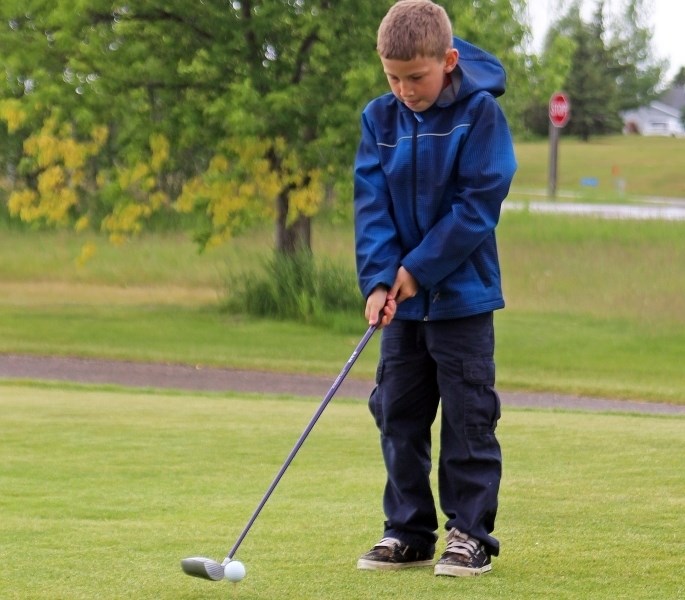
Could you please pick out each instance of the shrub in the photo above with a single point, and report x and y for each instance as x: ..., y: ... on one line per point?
x: 295, y: 287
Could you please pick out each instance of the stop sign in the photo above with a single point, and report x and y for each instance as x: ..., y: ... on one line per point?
x: 559, y: 109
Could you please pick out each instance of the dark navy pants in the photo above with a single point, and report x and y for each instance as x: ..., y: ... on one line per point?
x: 425, y: 365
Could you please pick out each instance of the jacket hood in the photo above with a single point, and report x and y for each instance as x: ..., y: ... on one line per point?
x: 476, y: 71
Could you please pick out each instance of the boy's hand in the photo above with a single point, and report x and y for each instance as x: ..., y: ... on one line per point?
x: 405, y: 286
x: 380, y: 305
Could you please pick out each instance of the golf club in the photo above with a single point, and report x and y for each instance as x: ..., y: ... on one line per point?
x: 207, y: 568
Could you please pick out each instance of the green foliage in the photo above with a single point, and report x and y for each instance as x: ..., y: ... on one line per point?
x: 603, y: 67
x: 297, y: 287
x: 679, y: 78
x: 550, y: 72
x: 245, y: 112
x: 199, y: 76
x: 633, y: 66
x: 594, y: 95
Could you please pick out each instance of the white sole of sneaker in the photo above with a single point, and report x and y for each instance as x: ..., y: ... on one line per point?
x: 455, y: 571
x: 373, y: 565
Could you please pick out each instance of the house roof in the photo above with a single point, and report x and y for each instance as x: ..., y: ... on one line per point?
x: 674, y: 97
x: 652, y: 109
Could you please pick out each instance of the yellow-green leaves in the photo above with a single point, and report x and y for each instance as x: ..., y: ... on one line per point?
x: 12, y: 113
x: 242, y: 183
x: 58, y: 162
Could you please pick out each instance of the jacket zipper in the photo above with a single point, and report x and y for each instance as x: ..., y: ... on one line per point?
x: 415, y: 200
x: 415, y: 171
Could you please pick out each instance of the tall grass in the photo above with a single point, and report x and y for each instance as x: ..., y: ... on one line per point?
x: 296, y: 287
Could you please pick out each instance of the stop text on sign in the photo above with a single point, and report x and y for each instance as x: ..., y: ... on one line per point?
x: 559, y: 109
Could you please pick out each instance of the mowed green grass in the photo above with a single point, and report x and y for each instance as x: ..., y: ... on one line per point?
x: 105, y: 490
x: 648, y: 166
x: 593, y: 306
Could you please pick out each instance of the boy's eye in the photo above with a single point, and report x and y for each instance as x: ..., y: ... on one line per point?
x: 416, y: 77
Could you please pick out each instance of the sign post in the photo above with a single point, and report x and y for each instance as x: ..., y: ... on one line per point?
x: 559, y: 114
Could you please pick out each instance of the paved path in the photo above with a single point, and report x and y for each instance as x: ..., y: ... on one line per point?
x: 663, y: 212
x: 184, y: 377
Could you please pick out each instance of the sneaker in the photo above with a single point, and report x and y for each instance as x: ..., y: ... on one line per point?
x: 392, y: 554
x: 463, y: 556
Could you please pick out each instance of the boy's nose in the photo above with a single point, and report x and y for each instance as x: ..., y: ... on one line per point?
x: 406, y: 90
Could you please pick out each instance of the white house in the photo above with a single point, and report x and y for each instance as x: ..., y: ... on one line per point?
x: 655, y: 119
x: 661, y: 117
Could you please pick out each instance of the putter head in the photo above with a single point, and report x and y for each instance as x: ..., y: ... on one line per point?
x: 205, y: 568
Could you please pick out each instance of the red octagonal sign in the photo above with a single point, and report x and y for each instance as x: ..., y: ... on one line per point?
x: 559, y: 109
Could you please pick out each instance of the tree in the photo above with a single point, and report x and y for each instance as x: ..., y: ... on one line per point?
x: 236, y: 112
x: 679, y: 78
x: 211, y: 84
x: 297, y: 98
x: 592, y: 90
x: 307, y: 80
x: 547, y: 74
x: 633, y: 66
x: 606, y: 68
x: 82, y: 66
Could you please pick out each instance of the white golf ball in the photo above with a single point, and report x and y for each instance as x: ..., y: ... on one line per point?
x: 234, y: 571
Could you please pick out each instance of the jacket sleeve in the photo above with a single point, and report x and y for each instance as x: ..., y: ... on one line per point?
x: 484, y: 173
x: 377, y: 245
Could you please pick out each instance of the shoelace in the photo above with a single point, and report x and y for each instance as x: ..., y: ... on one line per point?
x: 460, y: 543
x: 388, y: 542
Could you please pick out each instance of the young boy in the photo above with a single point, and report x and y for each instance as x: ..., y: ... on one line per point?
x: 433, y: 166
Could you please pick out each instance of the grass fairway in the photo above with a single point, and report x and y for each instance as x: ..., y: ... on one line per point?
x: 103, y: 491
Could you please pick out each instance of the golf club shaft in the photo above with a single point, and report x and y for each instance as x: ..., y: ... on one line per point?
x: 327, y: 398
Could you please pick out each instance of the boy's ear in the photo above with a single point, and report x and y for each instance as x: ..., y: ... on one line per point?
x: 451, y: 59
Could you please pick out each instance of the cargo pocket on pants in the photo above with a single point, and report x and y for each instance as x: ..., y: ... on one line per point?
x: 483, y: 408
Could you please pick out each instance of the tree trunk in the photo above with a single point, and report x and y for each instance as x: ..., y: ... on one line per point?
x: 290, y: 238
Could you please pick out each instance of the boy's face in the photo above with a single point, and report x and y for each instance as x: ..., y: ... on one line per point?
x: 418, y: 82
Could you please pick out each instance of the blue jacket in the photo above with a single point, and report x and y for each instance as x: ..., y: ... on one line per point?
x: 428, y: 192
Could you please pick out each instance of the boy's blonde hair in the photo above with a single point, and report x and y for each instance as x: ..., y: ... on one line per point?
x: 413, y: 28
